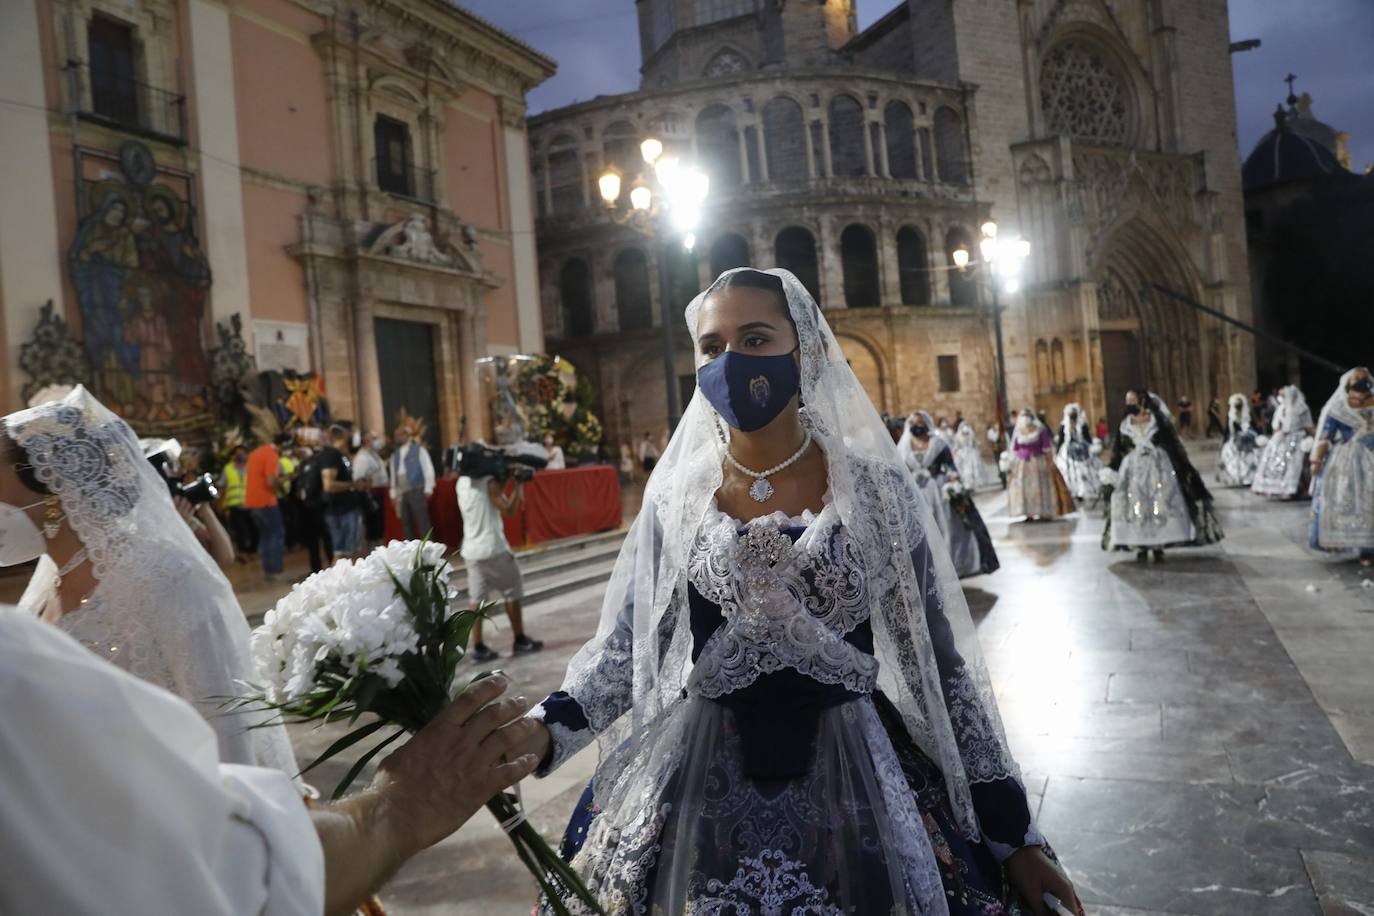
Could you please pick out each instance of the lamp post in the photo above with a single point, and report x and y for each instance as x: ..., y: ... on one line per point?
x: 671, y: 214
x: 1004, y: 258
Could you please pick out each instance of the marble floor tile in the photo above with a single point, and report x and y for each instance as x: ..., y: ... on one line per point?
x: 1344, y: 884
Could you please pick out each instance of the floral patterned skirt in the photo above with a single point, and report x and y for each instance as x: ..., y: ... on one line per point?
x: 868, y: 830
x: 1037, y: 489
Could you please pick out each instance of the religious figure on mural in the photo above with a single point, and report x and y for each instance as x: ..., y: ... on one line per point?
x: 141, y: 283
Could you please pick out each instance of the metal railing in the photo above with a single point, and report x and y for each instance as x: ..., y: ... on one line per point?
x: 405, y: 179
x: 126, y: 104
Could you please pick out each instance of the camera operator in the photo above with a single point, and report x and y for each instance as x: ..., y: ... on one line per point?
x: 194, y: 500
x: 493, y: 574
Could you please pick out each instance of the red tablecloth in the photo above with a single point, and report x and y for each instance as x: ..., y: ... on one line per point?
x: 558, y: 504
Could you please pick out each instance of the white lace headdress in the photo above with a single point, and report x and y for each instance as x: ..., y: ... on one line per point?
x: 1238, y: 410
x: 1293, y: 409
x: 645, y: 624
x: 1066, y: 426
x: 161, y: 609
x: 1338, y: 406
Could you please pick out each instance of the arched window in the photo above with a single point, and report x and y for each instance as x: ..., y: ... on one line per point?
x: 784, y: 138
x: 1058, y: 374
x: 632, y: 301
x: 901, y: 139
x: 1043, y: 377
x: 565, y: 176
x: 575, y: 289
x: 718, y: 146
x: 949, y: 146
x: 847, y: 154
x: 795, y: 250
x: 620, y: 150
x: 1083, y: 95
x: 962, y: 290
x: 913, y: 266
x: 859, y: 258
x: 728, y: 252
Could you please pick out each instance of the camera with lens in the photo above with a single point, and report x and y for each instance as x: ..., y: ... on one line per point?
x: 165, y: 457
x: 477, y: 460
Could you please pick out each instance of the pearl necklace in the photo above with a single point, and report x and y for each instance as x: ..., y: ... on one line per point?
x: 761, y: 490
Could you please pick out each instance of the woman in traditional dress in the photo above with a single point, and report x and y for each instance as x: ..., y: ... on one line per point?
x: 1158, y: 499
x: 1282, y: 472
x: 970, y: 545
x: 1240, y: 453
x: 810, y: 726
x: 1343, y: 469
x: 968, y: 459
x: 1077, y: 456
x: 121, y: 572
x: 1037, y: 489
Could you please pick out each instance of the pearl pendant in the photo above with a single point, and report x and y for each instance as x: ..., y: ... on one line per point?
x: 761, y: 491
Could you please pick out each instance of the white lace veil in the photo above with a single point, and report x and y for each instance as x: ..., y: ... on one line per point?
x: 161, y: 609
x: 1338, y: 406
x: 645, y: 629
x: 1294, y: 410
x: 1238, y: 411
x: 1067, y: 428
x: 904, y: 443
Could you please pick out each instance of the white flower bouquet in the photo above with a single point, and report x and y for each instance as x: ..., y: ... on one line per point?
x: 1261, y: 441
x: 1096, y: 448
x: 1004, y: 462
x: 1109, y: 478
x: 380, y: 636
x: 1308, y: 443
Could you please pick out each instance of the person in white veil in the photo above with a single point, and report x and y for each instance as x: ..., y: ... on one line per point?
x: 1240, y: 453
x: 968, y: 459
x: 1343, y: 469
x: 1077, y: 456
x: 126, y: 576
x: 787, y: 690
x: 1282, y: 472
x: 928, y: 455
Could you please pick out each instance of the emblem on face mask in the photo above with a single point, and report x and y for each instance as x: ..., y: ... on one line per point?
x: 759, y: 390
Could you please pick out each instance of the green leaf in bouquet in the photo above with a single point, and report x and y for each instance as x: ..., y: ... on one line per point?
x: 345, y: 743
x: 361, y: 762
x: 372, y: 685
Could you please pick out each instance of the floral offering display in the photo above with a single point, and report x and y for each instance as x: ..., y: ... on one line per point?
x: 380, y: 636
x: 559, y: 402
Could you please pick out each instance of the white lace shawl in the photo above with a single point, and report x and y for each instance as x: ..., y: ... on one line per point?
x: 1237, y: 412
x: 1293, y: 414
x: 1338, y: 406
x: 161, y: 610
x: 639, y: 660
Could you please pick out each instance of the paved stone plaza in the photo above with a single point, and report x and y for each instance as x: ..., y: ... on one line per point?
x: 1193, y: 732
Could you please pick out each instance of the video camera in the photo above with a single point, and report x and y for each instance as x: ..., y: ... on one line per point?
x: 477, y: 460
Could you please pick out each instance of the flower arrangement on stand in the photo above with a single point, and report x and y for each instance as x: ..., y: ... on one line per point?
x: 379, y: 637
x: 560, y: 402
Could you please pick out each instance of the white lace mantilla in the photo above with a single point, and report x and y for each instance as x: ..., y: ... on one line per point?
x: 785, y: 605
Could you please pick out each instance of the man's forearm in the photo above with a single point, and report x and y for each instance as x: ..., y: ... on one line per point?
x: 359, y: 857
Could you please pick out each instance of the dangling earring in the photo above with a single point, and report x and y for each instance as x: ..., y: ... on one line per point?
x: 52, y: 516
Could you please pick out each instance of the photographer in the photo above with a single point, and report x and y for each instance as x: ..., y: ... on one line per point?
x: 193, y: 497
x: 493, y: 574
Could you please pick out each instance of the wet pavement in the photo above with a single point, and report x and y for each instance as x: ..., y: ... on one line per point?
x: 1197, y: 735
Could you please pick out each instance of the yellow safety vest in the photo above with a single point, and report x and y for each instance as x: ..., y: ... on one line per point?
x: 233, y: 486
x: 285, y: 468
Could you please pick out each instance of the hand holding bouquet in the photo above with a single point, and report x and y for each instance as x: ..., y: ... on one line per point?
x: 379, y: 636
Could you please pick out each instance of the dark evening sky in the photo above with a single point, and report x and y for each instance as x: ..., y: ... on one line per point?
x: 1328, y: 44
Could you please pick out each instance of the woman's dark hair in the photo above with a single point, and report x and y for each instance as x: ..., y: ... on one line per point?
x: 13, y: 453
x: 756, y: 279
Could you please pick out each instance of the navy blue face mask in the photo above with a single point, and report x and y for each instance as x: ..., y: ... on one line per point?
x: 1363, y: 386
x: 749, y: 391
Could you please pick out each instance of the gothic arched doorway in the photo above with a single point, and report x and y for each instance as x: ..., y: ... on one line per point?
x: 1147, y: 339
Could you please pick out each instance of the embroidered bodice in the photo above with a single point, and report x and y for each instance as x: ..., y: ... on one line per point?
x: 787, y: 597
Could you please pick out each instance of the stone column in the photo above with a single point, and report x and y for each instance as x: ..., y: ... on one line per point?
x: 885, y: 167
x: 760, y: 135
x: 939, y: 263
x: 868, y: 150
x: 743, y: 146
x: 810, y: 149
x: 371, y: 413
x: 825, y: 147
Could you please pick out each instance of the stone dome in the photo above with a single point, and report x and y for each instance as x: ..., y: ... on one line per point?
x: 1293, y: 151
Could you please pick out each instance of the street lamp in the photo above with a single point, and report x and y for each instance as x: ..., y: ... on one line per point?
x: 1004, y: 258
x: 670, y: 210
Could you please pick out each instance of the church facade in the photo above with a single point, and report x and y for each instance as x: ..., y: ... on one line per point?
x: 335, y: 190
x: 1103, y: 131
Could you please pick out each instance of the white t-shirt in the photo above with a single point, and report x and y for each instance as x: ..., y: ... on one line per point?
x: 484, y: 535
x: 557, y: 461
x: 116, y: 802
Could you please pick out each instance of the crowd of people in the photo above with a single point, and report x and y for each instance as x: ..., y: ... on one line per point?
x: 792, y: 548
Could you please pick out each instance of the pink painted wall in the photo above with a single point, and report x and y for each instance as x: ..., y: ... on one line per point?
x: 283, y: 119
x: 276, y: 281
x: 503, y: 325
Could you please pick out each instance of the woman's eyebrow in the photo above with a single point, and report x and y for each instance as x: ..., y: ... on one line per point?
x: 754, y: 325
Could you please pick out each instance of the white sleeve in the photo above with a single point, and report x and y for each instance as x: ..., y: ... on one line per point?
x: 116, y: 790
x: 428, y: 466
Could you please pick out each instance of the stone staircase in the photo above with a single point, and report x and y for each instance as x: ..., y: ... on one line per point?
x: 557, y: 567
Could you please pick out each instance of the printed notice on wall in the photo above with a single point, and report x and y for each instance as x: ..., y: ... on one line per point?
x: 280, y: 345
